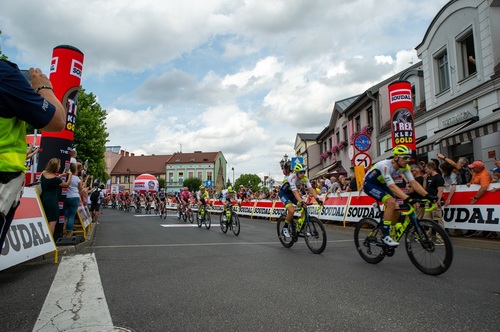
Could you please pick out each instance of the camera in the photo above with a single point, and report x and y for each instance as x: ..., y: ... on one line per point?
x: 26, y: 74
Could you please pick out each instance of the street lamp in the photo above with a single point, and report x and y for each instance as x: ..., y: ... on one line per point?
x: 232, y: 169
x: 128, y: 170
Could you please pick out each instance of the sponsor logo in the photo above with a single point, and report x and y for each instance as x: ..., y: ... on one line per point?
x: 53, y: 64
x: 22, y: 237
x: 400, y: 95
x: 76, y: 68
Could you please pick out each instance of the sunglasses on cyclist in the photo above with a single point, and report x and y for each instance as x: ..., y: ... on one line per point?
x: 302, y: 172
x: 405, y: 158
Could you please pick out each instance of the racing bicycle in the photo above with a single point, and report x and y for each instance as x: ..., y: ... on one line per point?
x: 203, y: 216
x: 186, y: 213
x: 427, y: 244
x: 312, y: 231
x: 229, y: 220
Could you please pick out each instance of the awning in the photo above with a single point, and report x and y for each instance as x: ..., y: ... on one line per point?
x: 335, y: 168
x: 487, y: 125
x: 383, y: 156
x: 428, y: 144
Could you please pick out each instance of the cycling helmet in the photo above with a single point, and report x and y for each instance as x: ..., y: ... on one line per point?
x: 202, y: 187
x: 401, y: 150
x: 229, y: 188
x: 298, y: 167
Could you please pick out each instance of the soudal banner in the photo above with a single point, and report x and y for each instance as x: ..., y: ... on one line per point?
x: 65, y: 75
x: 401, y: 108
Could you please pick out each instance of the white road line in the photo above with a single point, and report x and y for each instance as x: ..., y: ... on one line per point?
x: 178, y: 225
x: 76, y: 300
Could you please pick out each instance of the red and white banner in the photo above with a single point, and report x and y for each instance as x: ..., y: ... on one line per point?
x: 29, y: 234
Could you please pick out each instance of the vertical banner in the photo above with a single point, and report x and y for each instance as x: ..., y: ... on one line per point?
x: 65, y: 75
x: 401, y: 108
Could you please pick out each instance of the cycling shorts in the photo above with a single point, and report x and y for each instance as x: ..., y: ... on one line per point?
x: 374, y: 188
x: 287, y: 196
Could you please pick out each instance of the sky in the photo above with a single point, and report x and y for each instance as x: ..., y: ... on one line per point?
x: 238, y: 76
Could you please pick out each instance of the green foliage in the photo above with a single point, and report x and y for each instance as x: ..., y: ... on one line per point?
x: 3, y: 56
x: 193, y: 184
x: 91, y: 135
x: 161, y: 183
x: 248, y: 180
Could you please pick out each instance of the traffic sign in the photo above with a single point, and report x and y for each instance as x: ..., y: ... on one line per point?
x: 351, y: 152
x: 297, y: 160
x: 208, y: 183
x: 362, y: 142
x: 363, y: 159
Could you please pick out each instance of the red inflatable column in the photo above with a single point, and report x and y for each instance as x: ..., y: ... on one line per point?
x: 401, y: 107
x: 65, y: 75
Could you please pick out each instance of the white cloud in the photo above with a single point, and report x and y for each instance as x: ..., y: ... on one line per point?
x: 239, y: 76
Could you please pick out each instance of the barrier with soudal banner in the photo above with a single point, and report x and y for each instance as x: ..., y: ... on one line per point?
x: 65, y: 75
x: 145, y: 183
x: 401, y: 110
x: 352, y: 207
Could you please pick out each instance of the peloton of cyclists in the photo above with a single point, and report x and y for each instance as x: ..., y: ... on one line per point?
x: 379, y: 184
x: 290, y: 194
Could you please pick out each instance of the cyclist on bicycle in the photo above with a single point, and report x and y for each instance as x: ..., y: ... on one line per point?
x: 380, y: 184
x: 290, y: 194
x: 227, y: 197
x: 203, y: 197
x: 184, y: 197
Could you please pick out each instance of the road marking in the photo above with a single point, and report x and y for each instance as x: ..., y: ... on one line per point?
x: 146, y: 215
x: 178, y: 225
x: 76, y: 300
x: 197, y: 244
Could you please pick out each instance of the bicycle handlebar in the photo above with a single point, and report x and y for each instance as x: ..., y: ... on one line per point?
x: 431, y: 207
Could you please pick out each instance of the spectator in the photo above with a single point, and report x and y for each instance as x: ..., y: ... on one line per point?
x: 95, y: 202
x: 450, y: 180
x: 31, y: 151
x: 464, y: 174
x: 72, y: 156
x: 335, y: 185
x: 353, y: 184
x: 495, y: 175
x: 328, y: 182
x: 434, y: 185
x: 50, y: 184
x: 20, y: 100
x: 416, y: 171
x: 480, y: 176
x: 75, y: 189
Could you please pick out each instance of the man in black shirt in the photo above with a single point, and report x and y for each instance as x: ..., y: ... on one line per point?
x: 434, y: 184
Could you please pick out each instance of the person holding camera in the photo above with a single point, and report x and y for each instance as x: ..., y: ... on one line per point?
x: 21, y: 100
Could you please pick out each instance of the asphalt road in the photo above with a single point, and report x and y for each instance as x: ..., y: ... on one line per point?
x: 164, y: 275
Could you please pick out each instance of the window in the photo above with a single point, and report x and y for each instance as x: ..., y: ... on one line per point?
x: 190, y: 174
x: 170, y: 177
x: 127, y: 178
x: 200, y: 175
x: 330, y: 142
x: 369, y: 117
x: 337, y: 137
x: 344, y: 132
x: 118, y: 179
x: 467, y: 55
x: 357, y: 124
x: 413, y: 100
x: 209, y: 175
x: 443, y: 71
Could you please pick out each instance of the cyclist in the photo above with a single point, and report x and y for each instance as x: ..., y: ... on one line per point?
x: 227, y: 197
x: 380, y: 184
x: 203, y: 197
x: 184, y: 197
x: 290, y: 194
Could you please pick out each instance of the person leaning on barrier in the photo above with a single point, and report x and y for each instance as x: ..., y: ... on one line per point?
x: 21, y: 101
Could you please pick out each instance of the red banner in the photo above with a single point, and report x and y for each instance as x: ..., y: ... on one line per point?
x: 401, y: 108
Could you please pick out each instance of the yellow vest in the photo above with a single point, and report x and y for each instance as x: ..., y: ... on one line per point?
x: 12, y: 145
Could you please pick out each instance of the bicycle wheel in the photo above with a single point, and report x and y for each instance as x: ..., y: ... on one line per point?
x: 184, y: 216
x: 287, y: 242
x: 368, y: 240
x: 223, y: 223
x: 235, y: 220
x: 190, y: 216
x: 314, y: 235
x: 208, y: 220
x: 430, y: 256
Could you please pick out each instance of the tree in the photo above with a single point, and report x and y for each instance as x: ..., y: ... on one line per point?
x: 193, y: 184
x: 248, y: 181
x: 161, y: 183
x: 2, y: 56
x: 91, y: 134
